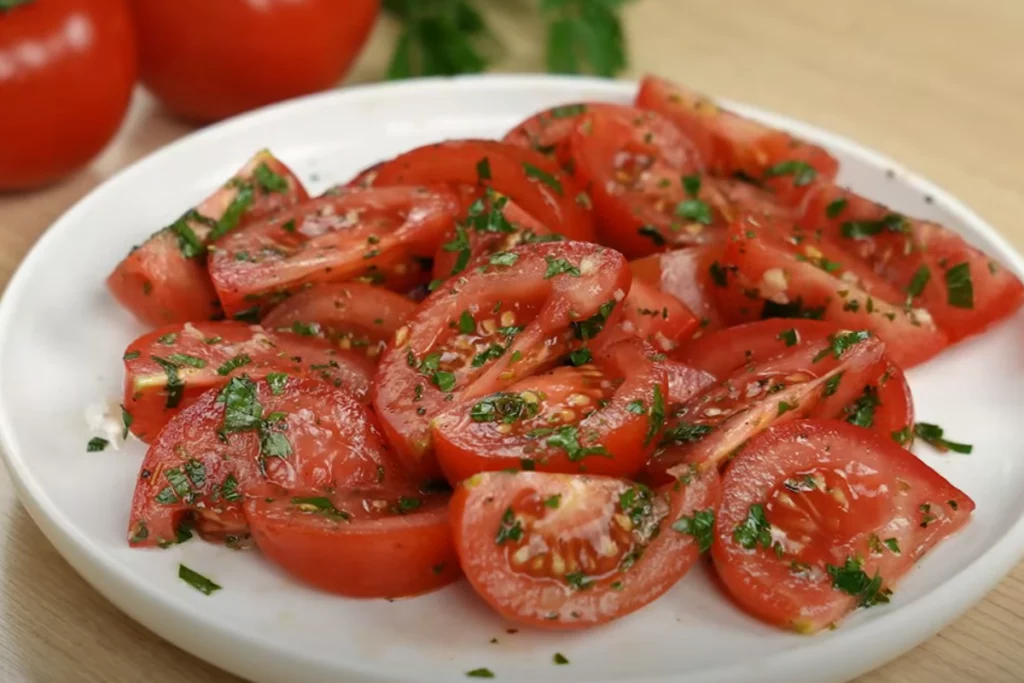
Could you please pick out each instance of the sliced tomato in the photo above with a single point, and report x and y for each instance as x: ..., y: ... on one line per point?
x: 686, y: 275
x: 759, y: 278
x: 352, y: 314
x: 819, y: 518
x: 884, y: 405
x: 734, y: 198
x: 377, y: 544
x: 528, y: 178
x: 512, y: 315
x: 731, y: 143
x: 164, y: 281
x: 933, y: 268
x: 660, y: 319
x: 237, y: 440
x: 374, y: 234
x: 644, y: 179
x: 168, y: 369
x: 564, y: 551
x: 600, y: 417
x: 708, y: 429
x: 684, y: 382
x: 492, y: 223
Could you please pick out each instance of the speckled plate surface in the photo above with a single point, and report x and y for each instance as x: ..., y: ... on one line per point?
x: 61, y: 338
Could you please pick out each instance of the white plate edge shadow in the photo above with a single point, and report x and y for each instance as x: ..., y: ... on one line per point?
x: 920, y: 618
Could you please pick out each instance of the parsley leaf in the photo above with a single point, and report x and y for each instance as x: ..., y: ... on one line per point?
x: 754, y: 529
x: 543, y: 176
x: 934, y: 435
x: 959, y: 287
x: 197, y: 580
x: 566, y: 437
x: 96, y: 443
x: 701, y: 526
x: 559, y: 266
x: 851, y: 579
x: 802, y: 172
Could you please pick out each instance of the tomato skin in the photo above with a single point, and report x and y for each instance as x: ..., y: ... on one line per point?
x: 731, y: 143
x: 68, y: 77
x: 872, y: 468
x: 207, y: 61
x: 352, y: 314
x: 779, y: 389
x: 684, y: 381
x: 899, y: 256
x: 551, y: 305
x: 660, y: 319
x: 164, y: 280
x: 383, y: 556
x: 559, y: 207
x: 333, y: 443
x: 465, y: 446
x: 477, y: 510
x: 354, y: 233
x: 763, y: 275
x: 146, y: 392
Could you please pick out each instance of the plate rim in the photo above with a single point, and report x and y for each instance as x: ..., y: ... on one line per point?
x: 921, y: 617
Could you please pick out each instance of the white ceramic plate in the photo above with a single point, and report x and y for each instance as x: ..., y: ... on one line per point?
x: 61, y: 338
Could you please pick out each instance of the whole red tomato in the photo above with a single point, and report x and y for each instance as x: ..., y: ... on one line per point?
x: 67, y: 68
x: 209, y: 59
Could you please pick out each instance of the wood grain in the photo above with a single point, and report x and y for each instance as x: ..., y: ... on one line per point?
x: 937, y: 84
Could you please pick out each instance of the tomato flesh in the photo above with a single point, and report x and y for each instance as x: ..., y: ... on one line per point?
x: 164, y: 280
x: 168, y: 369
x: 561, y: 551
x: 814, y: 510
x: 685, y: 274
x: 509, y: 317
x: 351, y: 314
x: 603, y: 417
x: 371, y: 234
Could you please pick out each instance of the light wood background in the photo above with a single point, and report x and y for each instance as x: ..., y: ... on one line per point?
x: 937, y: 84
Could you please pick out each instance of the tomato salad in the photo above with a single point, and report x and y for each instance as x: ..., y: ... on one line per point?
x: 565, y: 365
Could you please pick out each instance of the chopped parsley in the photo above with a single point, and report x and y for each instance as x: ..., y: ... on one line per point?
x: 229, y: 490
x: 892, y: 544
x: 718, y: 274
x: 754, y: 529
x: 691, y: 185
x: 918, y: 282
x: 685, y: 432
x: 233, y: 214
x: 553, y: 501
x: 305, y: 329
x: 566, y: 437
x: 511, y: 529
x: 636, y: 407
x: 167, y: 339
x: 460, y: 245
x: 862, y: 411
x: 482, y: 672
x: 656, y: 420
x: 466, y: 323
x: 184, y: 359
x: 131, y: 355
x: 696, y: 210
x: 652, y: 233
x: 893, y: 222
x: 268, y: 180
x: 592, y: 326
x: 934, y: 435
x: 483, y: 169
x: 188, y: 242
x: 802, y: 172
x: 841, y: 343
x: 790, y: 337
x: 197, y: 580
x: 277, y: 382
x: 559, y: 658
x: 559, y: 266
x: 543, y: 176
x: 902, y: 436
x: 580, y: 356
x: 126, y: 422
x: 233, y: 364
x: 836, y: 207
x: 175, y: 386
x: 320, y: 505
x: 503, y: 258
x: 503, y: 407
x: 96, y: 443
x: 785, y: 408
x: 794, y: 309
x: 701, y: 526
x: 959, y: 288
x: 832, y: 384
x: 851, y: 579
x: 568, y: 111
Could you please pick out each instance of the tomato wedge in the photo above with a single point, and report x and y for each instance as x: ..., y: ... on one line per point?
x: 644, y: 180
x: 168, y: 369
x: 564, y: 551
x: 819, y: 518
x: 375, y: 234
x: 512, y: 315
x: 602, y: 417
x: 379, y: 544
x: 686, y: 275
x: 528, y: 178
x: 933, y: 268
x: 237, y: 440
x: 707, y: 430
x: 660, y: 319
x: 731, y: 143
x: 759, y: 278
x: 351, y: 314
x: 884, y: 404
x: 164, y: 281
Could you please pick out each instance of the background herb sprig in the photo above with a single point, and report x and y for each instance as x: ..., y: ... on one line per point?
x: 447, y: 37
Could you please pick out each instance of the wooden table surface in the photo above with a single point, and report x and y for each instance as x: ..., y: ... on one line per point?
x: 937, y: 84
